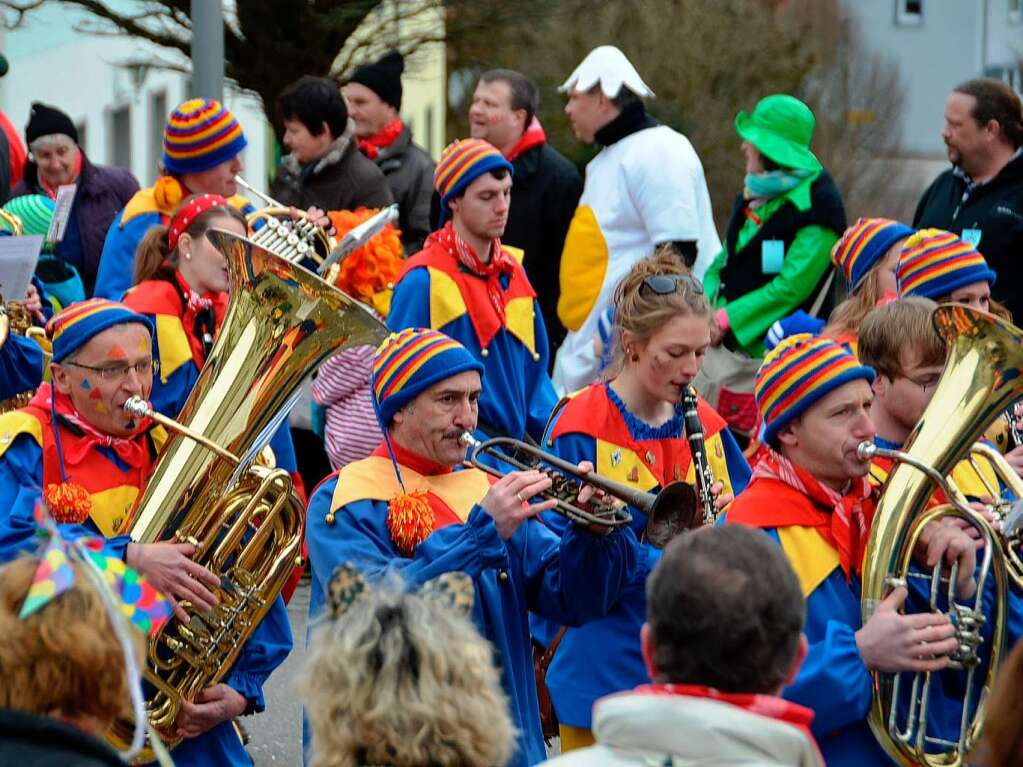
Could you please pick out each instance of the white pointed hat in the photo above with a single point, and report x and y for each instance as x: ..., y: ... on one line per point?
x: 609, y: 67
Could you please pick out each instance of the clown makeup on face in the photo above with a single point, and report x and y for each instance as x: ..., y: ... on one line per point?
x: 99, y: 378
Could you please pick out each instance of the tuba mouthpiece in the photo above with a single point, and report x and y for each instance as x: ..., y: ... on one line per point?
x: 866, y: 450
x: 137, y: 407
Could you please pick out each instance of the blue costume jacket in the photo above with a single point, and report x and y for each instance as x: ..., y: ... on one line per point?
x: 570, y: 580
x: 603, y: 655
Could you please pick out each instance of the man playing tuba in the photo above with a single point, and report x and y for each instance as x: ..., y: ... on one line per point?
x: 810, y: 493
x: 74, y: 446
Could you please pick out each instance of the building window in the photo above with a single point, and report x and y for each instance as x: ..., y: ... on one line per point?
x: 1015, y: 11
x: 119, y: 143
x: 157, y: 119
x: 909, y: 13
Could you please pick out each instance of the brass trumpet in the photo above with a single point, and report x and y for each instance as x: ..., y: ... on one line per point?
x: 675, y: 501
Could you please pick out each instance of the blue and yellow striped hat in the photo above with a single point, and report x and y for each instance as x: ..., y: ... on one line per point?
x: 799, y: 371
x: 461, y: 163
x: 200, y: 134
x: 935, y: 262
x: 72, y: 328
x: 864, y: 244
x: 411, y: 361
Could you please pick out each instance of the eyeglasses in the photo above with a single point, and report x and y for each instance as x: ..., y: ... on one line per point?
x: 143, y: 369
x: 928, y: 384
x: 666, y: 284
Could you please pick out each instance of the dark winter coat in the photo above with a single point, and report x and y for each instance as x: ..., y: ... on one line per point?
x: 343, y: 179
x: 102, y: 192
x: 42, y: 741
x: 996, y: 209
x: 545, y: 191
x: 409, y: 172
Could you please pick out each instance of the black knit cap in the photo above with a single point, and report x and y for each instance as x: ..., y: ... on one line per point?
x: 383, y: 77
x: 45, y: 120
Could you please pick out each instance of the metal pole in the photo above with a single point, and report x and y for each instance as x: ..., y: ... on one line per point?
x: 208, y: 49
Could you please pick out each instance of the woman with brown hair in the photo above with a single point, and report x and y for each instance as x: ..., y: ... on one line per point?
x: 630, y: 427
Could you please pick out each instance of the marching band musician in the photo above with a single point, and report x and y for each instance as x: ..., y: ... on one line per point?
x: 181, y: 283
x: 630, y: 427
x: 75, y: 447
x: 405, y: 510
x: 467, y: 285
x: 202, y: 145
x: 810, y: 493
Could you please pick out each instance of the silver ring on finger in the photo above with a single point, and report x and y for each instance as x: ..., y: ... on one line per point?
x: 519, y: 496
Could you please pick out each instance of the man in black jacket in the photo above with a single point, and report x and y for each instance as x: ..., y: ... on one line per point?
x: 373, y: 94
x: 980, y: 197
x: 545, y: 187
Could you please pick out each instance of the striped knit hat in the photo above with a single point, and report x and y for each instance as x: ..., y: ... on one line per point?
x: 461, y: 163
x: 935, y: 262
x: 34, y: 210
x: 864, y: 244
x: 72, y: 328
x: 411, y: 361
x: 798, y: 372
x: 200, y: 134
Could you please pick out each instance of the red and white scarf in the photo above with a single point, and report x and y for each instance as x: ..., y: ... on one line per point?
x: 500, y: 263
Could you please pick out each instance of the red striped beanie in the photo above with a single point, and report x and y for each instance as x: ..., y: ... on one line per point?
x: 935, y: 262
x: 864, y: 244
x: 200, y: 134
x: 72, y: 328
x: 461, y: 163
x: 799, y: 371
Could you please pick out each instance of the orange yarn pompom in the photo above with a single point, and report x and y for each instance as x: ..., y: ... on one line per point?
x: 372, y: 268
x: 409, y: 520
x: 69, y: 502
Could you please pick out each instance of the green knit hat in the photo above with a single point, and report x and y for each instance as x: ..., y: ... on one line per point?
x: 781, y: 128
x: 34, y: 210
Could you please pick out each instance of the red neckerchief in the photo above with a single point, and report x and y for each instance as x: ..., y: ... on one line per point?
x: 76, y: 171
x: 848, y: 524
x: 500, y: 263
x: 201, y: 317
x: 414, y: 461
x: 770, y: 706
x: 133, y: 450
x: 533, y: 136
x: 383, y: 138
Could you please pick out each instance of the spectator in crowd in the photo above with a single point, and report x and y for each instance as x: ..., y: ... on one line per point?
x: 324, y: 167
x: 13, y: 157
x: 722, y: 638
x: 63, y: 674
x: 940, y: 266
x: 545, y: 185
x: 629, y: 204
x: 373, y: 94
x: 57, y: 160
x: 775, y: 259
x: 403, y: 678
x: 980, y: 197
x: 202, y: 145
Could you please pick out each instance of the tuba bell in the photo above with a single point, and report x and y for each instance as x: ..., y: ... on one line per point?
x: 981, y: 376
x: 245, y: 520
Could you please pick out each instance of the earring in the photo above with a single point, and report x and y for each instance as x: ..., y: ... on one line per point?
x: 187, y: 256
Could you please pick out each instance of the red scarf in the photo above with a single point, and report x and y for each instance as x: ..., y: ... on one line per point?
x: 501, y: 262
x: 133, y: 450
x: 76, y: 171
x: 848, y: 525
x: 201, y: 317
x: 533, y: 136
x: 770, y: 706
x: 383, y: 138
x: 414, y: 461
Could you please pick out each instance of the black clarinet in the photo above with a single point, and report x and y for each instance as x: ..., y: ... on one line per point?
x: 704, y: 475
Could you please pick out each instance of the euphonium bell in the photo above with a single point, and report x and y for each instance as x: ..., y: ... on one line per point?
x: 981, y: 376
x: 246, y: 520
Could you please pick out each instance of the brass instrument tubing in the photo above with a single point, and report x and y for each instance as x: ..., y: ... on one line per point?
x: 139, y: 408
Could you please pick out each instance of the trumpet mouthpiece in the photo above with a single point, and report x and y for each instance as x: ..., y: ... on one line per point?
x: 866, y: 450
x: 137, y: 407
x: 468, y: 440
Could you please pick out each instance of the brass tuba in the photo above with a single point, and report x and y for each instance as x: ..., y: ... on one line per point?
x: 245, y: 520
x: 981, y: 376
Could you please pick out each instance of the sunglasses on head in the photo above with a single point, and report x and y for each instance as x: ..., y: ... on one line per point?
x: 666, y: 284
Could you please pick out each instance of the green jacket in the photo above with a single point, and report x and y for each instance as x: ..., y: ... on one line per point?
x: 806, y: 259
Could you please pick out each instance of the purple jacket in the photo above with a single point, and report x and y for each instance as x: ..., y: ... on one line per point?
x: 102, y: 192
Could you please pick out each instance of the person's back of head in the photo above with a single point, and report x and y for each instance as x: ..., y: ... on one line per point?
x: 64, y: 660
x: 898, y: 328
x: 315, y: 102
x: 403, y: 679
x: 724, y: 610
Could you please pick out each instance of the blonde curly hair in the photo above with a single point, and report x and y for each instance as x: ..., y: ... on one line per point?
x: 644, y: 312
x: 399, y: 680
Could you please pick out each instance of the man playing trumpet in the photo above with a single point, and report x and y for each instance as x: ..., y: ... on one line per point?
x: 406, y: 510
